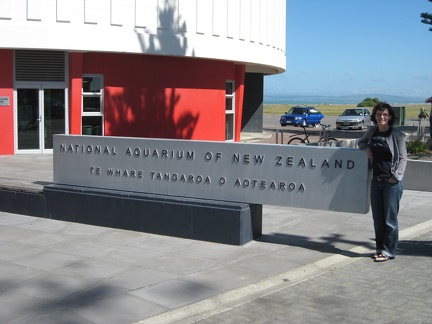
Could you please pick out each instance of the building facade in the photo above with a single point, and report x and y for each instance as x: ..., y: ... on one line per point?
x: 178, y: 69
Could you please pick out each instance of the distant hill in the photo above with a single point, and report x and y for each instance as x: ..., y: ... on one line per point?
x: 339, y: 100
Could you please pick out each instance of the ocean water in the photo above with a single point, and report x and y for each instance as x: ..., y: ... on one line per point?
x: 340, y: 100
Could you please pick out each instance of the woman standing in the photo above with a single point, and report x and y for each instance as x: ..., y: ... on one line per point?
x: 429, y: 100
x: 387, y: 151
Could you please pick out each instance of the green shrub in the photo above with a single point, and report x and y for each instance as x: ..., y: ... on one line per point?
x: 368, y: 102
x: 417, y: 147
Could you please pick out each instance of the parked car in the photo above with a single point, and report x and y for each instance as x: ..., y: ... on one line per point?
x: 354, y: 118
x: 303, y: 116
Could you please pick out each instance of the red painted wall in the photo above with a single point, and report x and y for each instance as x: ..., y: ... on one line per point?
x: 240, y: 80
x: 145, y: 96
x: 75, y: 92
x: 6, y: 113
x: 159, y: 97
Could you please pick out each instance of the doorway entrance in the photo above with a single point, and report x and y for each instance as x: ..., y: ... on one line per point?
x: 41, y: 113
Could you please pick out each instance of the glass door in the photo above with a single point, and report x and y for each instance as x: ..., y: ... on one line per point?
x: 54, y: 121
x: 28, y: 119
x: 41, y: 113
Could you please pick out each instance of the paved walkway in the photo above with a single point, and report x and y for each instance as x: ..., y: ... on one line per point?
x: 309, y: 266
x: 355, y: 291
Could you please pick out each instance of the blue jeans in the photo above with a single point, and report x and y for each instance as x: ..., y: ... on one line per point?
x: 385, y: 197
x: 430, y: 126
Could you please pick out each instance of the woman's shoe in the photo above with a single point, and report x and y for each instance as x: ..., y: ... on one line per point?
x: 381, y: 258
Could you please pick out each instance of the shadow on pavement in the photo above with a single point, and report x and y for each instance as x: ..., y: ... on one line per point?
x: 327, y: 246
x: 415, y: 248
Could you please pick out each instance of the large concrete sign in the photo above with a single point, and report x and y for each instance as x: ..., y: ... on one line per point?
x: 326, y: 178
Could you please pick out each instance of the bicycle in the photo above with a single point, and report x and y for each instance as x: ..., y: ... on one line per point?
x: 324, y: 136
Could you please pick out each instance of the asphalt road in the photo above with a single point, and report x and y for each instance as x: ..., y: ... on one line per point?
x: 271, y: 123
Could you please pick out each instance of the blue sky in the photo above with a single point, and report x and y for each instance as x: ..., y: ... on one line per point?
x: 351, y: 47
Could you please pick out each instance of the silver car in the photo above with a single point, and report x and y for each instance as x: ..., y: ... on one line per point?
x: 354, y: 118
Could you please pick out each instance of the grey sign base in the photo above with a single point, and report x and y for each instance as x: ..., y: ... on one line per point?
x: 22, y: 202
x: 199, y: 219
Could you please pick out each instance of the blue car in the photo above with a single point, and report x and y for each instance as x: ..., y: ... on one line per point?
x: 303, y: 116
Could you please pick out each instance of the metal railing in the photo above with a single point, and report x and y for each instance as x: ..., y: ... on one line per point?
x: 279, y: 131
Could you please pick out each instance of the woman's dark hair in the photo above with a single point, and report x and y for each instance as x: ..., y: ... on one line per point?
x: 381, y: 106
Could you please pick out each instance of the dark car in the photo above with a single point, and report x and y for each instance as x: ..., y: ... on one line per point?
x: 303, y: 116
x: 354, y: 118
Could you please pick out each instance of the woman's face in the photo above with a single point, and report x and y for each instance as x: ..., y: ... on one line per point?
x: 383, y: 117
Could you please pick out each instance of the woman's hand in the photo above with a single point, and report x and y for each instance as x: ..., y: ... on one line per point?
x: 369, y: 153
x: 392, y: 180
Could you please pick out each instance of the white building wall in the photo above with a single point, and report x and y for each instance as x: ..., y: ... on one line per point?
x: 244, y: 31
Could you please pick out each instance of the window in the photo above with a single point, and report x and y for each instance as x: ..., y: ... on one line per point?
x: 92, y: 105
x: 229, y: 111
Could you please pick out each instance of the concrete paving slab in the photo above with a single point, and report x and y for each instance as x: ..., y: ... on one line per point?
x: 42, y: 225
x: 138, y: 277
x: 252, y: 249
x: 81, y: 230
x: 94, y: 293
x: 96, y: 269
x: 90, y: 274
x: 263, y: 265
x: 223, y: 278
x: 84, y: 247
x: 179, y: 264
x: 17, y: 308
x: 51, y: 287
x: 118, y: 237
x: 160, y: 243
x: 207, y: 250
x: 10, y: 251
x: 130, y: 255
x: 175, y: 293
x: 123, y: 308
x: 47, y: 260
x: 14, y: 274
x: 15, y: 234
x: 346, y: 294
x: 31, y: 168
x: 11, y: 219
x: 46, y: 240
x: 46, y: 316
x: 298, y: 255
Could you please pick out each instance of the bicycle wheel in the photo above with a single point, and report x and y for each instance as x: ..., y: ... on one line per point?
x: 295, y: 141
x: 329, y: 139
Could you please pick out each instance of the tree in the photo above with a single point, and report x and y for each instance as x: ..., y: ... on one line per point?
x: 426, y: 18
x: 368, y: 102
